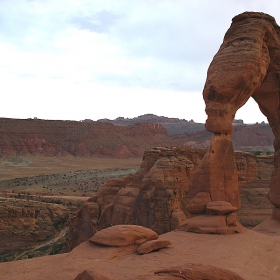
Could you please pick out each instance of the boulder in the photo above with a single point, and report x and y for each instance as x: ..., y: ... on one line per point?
x: 177, y: 217
x: 197, y: 205
x: 123, y: 235
x: 92, y: 275
x: 220, y: 208
x: 152, y: 245
x: 209, y: 224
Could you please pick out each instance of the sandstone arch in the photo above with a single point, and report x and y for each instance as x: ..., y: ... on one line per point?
x: 246, y: 65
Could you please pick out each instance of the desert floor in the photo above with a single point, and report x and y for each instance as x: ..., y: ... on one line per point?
x: 17, y: 167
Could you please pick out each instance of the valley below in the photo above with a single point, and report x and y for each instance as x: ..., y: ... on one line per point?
x: 54, y: 196
x: 38, y: 196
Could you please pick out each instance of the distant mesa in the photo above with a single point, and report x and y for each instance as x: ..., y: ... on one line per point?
x: 120, y: 138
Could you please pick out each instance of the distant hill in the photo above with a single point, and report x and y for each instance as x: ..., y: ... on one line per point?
x: 172, y: 125
x: 183, y: 132
x: 130, y: 138
x: 244, y: 137
x: 62, y: 138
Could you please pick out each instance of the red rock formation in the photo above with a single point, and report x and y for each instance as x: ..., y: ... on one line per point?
x: 152, y: 245
x: 60, y: 138
x: 156, y: 196
x: 123, y: 235
x: 195, y: 272
x: 25, y: 224
x: 92, y: 275
x: 247, y: 64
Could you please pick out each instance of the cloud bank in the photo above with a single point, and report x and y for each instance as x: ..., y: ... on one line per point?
x: 72, y: 59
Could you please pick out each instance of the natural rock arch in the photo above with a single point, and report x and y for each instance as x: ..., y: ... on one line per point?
x: 246, y: 65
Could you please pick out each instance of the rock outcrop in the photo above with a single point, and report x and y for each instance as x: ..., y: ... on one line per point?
x: 157, y: 196
x: 25, y: 224
x: 152, y: 245
x: 196, y: 271
x: 92, y: 275
x: 123, y: 235
x: 62, y: 138
x: 246, y: 65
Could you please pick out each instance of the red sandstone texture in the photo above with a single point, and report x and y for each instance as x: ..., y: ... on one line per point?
x: 123, y: 235
x: 247, y: 64
x: 157, y: 196
x: 62, y: 138
x: 249, y: 254
x: 154, y: 197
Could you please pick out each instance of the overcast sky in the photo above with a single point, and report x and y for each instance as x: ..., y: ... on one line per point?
x: 89, y: 59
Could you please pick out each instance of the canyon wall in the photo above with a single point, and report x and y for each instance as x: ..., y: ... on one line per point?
x: 62, y: 138
x: 25, y: 224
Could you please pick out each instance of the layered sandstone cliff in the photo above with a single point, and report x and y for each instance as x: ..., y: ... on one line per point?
x: 60, y: 138
x: 25, y: 224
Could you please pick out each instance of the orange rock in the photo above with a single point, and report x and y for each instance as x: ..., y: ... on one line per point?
x: 155, y: 197
x: 247, y: 65
x: 197, y: 205
x: 123, y: 235
x: 197, y: 271
x: 208, y: 224
x: 217, y: 173
x: 220, y: 208
x: 92, y: 275
x: 152, y: 245
x: 177, y: 217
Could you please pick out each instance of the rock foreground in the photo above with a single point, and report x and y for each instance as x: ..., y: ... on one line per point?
x: 249, y: 254
x: 157, y: 196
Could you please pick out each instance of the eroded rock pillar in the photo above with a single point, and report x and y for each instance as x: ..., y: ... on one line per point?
x: 246, y: 65
x: 217, y: 173
x: 236, y: 72
x: 214, y: 195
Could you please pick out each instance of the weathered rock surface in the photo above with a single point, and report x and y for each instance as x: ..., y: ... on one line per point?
x: 247, y: 65
x: 251, y: 255
x: 220, y: 208
x: 25, y: 224
x: 196, y: 272
x: 123, y: 235
x: 62, y: 138
x: 197, y: 205
x: 210, y: 224
x: 92, y: 275
x: 253, y: 191
x: 217, y: 173
x: 152, y: 245
x: 155, y: 197
x: 165, y: 176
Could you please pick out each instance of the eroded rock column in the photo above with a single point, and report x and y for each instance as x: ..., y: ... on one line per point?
x: 247, y: 64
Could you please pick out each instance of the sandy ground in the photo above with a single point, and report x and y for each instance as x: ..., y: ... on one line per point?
x: 27, y: 166
x: 250, y: 254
